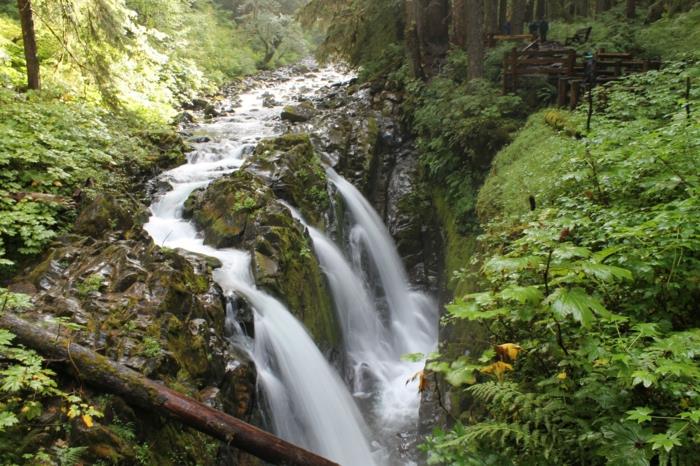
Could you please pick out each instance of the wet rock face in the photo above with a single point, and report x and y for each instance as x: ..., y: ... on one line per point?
x: 360, y: 130
x: 242, y: 211
x: 157, y: 311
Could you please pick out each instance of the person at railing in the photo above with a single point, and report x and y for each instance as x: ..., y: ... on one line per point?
x: 543, y: 27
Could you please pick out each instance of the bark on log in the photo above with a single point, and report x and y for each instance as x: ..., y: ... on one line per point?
x: 115, y: 378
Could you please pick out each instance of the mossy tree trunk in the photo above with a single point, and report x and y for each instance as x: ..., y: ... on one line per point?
x: 29, y: 39
x: 139, y: 390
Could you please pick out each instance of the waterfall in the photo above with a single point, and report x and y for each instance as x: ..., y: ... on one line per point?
x: 413, y: 316
x: 374, y: 349
x: 309, y: 403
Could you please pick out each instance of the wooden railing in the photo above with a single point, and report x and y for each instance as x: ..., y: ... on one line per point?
x: 565, y: 68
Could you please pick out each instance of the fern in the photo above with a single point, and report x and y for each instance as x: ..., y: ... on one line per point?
x: 69, y: 456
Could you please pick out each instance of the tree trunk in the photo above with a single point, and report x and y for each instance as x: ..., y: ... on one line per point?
x: 475, y: 37
x: 601, y: 6
x: 459, y: 23
x: 631, y: 9
x: 530, y: 11
x: 517, y: 18
x: 490, y: 16
x: 540, y: 9
x: 432, y: 30
x: 115, y: 378
x: 502, y: 14
x: 29, y: 39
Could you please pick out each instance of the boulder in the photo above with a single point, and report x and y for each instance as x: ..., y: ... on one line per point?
x: 299, y: 113
x: 242, y: 211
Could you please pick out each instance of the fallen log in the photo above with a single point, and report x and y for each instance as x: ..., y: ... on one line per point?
x: 98, y: 370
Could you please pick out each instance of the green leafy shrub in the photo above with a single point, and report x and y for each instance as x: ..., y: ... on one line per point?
x: 460, y: 126
x: 595, y: 292
x: 50, y: 149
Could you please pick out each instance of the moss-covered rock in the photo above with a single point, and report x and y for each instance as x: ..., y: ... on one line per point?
x: 109, y: 213
x: 293, y: 170
x: 298, y: 113
x: 242, y: 210
x: 158, y: 312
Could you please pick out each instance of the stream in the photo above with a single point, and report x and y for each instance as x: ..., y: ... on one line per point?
x: 354, y: 417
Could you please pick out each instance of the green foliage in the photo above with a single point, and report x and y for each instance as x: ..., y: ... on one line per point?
x: 358, y: 31
x: 672, y: 37
x: 49, y: 150
x: 151, y: 347
x: 599, y: 287
x: 89, y: 285
x: 26, y: 388
x: 460, y: 126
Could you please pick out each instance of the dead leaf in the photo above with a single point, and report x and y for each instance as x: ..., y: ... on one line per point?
x: 87, y: 419
x: 422, y: 381
x: 508, y: 351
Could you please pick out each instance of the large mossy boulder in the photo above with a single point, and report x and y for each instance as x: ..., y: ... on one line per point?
x: 154, y: 310
x: 298, y: 113
x: 242, y: 210
x: 291, y: 167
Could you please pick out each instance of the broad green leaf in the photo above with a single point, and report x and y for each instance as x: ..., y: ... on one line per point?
x: 605, y: 273
x: 578, y: 304
x: 692, y: 416
x: 512, y: 264
x: 523, y: 294
x: 413, y: 357
x: 640, y: 415
x: 665, y: 441
x: 643, y: 377
x: 7, y: 419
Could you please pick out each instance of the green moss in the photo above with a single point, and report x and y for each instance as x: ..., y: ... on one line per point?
x: 459, y: 248
x: 528, y: 167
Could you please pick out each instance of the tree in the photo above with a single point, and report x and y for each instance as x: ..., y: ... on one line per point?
x: 602, y: 5
x: 269, y: 26
x: 502, y: 13
x: 459, y: 22
x: 491, y: 16
x: 29, y: 39
x: 631, y: 9
x: 475, y: 37
x: 427, y: 34
x: 517, y: 17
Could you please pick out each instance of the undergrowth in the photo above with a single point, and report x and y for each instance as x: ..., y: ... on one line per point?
x: 591, y: 300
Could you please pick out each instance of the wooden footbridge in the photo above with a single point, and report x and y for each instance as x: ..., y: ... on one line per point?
x: 569, y: 71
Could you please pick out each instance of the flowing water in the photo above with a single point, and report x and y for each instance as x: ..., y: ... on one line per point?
x: 309, y: 402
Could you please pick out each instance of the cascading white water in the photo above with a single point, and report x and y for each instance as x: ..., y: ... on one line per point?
x: 310, y: 405
x: 413, y: 317
x: 373, y: 349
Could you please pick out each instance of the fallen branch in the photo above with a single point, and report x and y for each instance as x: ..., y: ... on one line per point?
x: 139, y: 390
x: 43, y: 197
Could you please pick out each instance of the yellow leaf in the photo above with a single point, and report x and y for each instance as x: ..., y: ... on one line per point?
x: 508, y: 351
x: 498, y: 368
x: 87, y: 419
x: 562, y: 375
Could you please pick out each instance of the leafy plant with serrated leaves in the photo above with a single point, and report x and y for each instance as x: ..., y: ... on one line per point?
x: 599, y: 287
